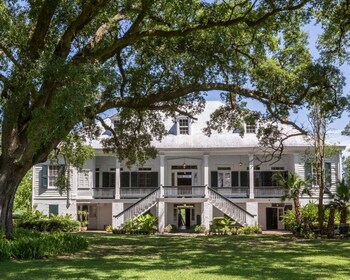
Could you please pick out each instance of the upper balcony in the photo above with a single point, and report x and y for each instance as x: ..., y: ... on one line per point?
x: 186, y: 192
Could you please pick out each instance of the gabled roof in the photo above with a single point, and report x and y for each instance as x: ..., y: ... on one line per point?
x: 198, y: 140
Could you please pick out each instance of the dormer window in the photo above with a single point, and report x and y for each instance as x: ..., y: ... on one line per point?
x: 183, y: 126
x: 250, y: 128
x: 116, y: 122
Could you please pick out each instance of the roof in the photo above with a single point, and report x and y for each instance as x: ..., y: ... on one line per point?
x: 198, y: 140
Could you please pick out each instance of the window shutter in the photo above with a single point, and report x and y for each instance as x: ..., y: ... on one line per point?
x: 244, y: 179
x: 214, y: 179
x: 44, y: 176
x: 105, y: 179
x: 97, y: 179
x: 134, y: 180
x: 234, y: 179
x: 124, y: 179
x: 111, y: 180
x: 154, y: 179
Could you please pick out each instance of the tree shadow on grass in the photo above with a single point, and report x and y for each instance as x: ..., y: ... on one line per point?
x: 203, y: 257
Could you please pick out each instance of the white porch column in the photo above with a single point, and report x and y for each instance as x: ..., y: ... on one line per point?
x: 117, y: 179
x: 206, y: 173
x: 117, y: 207
x: 252, y: 208
x: 161, y: 215
x: 251, y: 176
x: 161, y: 174
x: 207, y: 214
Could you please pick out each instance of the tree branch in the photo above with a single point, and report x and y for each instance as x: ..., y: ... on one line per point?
x: 9, y: 55
x: 132, y: 37
x: 89, y: 11
x: 37, y: 41
x: 166, y: 96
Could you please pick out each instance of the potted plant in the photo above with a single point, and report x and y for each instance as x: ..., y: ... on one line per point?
x: 83, y: 219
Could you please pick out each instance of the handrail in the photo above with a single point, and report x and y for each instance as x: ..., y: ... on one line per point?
x: 137, y: 202
x: 190, y: 186
x: 226, y: 199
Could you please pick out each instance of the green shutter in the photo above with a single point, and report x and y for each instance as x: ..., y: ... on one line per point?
x: 244, y: 179
x: 112, y: 179
x: 234, y: 179
x: 214, y: 179
x: 97, y: 179
x: 105, y: 179
x: 154, y: 179
x: 124, y: 179
x: 44, y: 177
x: 134, y: 183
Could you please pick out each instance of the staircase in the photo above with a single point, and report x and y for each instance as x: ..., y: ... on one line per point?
x: 231, y: 209
x: 139, y: 207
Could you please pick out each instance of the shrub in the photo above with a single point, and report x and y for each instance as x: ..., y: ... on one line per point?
x: 250, y: 230
x: 222, y: 225
x: 144, y: 224
x: 200, y: 229
x: 30, y: 244
x: 109, y: 228
x: 40, y: 222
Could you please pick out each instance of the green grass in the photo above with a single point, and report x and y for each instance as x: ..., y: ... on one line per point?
x: 205, y: 257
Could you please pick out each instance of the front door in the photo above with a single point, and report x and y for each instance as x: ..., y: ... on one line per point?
x: 184, y: 218
x: 271, y: 218
x: 184, y: 178
x: 184, y: 182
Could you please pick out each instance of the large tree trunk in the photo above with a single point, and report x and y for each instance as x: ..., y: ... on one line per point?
x: 10, y: 177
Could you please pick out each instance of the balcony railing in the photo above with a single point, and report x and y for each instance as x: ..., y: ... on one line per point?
x: 233, y: 192
x: 260, y: 192
x: 135, y: 192
x: 184, y: 191
x: 103, y: 192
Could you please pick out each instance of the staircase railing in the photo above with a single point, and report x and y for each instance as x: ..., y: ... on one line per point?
x: 140, y: 207
x: 228, y: 207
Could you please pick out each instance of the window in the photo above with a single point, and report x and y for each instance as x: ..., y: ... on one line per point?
x: 84, y: 179
x: 229, y: 179
x: 54, y: 172
x: 116, y: 122
x: 224, y: 179
x: 53, y: 209
x: 184, y: 126
x: 250, y: 128
x: 108, y: 179
x: 265, y: 178
x: 144, y: 179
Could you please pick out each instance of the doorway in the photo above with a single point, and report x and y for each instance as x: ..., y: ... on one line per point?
x: 271, y: 218
x: 184, y: 218
x: 184, y: 178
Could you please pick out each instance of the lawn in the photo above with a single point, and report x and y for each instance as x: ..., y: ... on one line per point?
x: 205, y: 257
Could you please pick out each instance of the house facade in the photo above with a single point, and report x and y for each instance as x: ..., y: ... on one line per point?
x: 193, y: 179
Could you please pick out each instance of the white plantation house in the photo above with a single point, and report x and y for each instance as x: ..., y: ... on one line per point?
x: 193, y: 179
